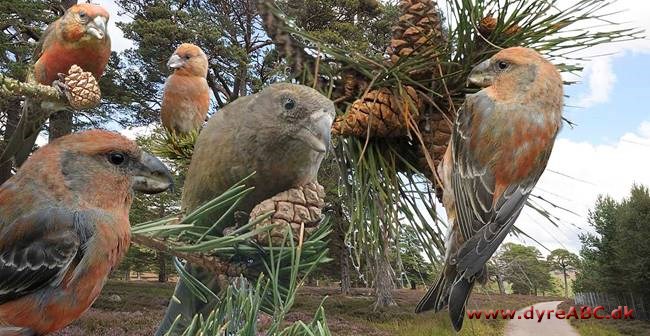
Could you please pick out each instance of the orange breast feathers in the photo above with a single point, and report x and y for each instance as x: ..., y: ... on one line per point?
x: 60, y: 57
x: 186, y: 102
x: 186, y: 99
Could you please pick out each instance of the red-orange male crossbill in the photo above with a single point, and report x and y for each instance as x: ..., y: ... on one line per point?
x: 78, y: 37
x: 501, y: 142
x: 186, y: 98
x: 64, y: 225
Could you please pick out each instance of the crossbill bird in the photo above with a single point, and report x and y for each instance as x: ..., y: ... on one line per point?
x: 78, y: 37
x: 502, y: 138
x: 282, y: 134
x: 64, y: 225
x: 186, y: 98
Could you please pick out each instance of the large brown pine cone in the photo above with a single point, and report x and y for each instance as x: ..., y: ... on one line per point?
x: 380, y: 110
x: 419, y: 27
x: 294, y: 207
x: 83, y: 90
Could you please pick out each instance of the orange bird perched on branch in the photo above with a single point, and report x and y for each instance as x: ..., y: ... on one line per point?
x: 501, y: 142
x: 78, y: 37
x: 186, y: 98
x: 64, y: 225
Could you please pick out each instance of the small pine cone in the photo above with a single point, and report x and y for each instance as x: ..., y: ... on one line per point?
x: 83, y: 89
x: 381, y: 111
x: 488, y: 24
x: 293, y: 207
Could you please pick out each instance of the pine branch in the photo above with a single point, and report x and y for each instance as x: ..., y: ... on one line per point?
x: 14, y: 87
x: 208, y: 262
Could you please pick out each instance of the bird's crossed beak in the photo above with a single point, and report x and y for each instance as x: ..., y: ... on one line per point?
x: 152, y: 176
x: 175, y: 62
x: 482, y: 75
x: 97, y: 27
x: 316, y: 131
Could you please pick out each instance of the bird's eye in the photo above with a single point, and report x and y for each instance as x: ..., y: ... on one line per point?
x: 82, y: 15
x: 116, y: 158
x: 187, y: 57
x: 289, y: 104
x: 503, y: 65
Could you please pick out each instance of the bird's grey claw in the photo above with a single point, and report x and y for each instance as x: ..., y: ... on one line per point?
x: 62, y: 87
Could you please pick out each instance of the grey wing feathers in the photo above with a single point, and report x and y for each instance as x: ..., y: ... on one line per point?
x: 37, y: 251
x: 483, y: 223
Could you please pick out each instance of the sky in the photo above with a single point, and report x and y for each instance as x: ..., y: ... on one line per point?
x: 605, y: 153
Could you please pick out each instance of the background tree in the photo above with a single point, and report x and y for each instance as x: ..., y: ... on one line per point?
x: 412, y: 266
x: 615, y: 258
x: 525, y: 268
x: 563, y: 260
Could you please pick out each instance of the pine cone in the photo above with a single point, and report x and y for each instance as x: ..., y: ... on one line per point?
x: 417, y: 29
x: 488, y: 25
x: 380, y: 110
x: 83, y: 92
x: 292, y: 208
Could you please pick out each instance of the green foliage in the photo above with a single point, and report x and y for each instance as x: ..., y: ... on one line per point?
x: 410, y: 263
x: 525, y: 269
x: 229, y: 32
x: 276, y: 271
x: 615, y: 259
x: 359, y: 25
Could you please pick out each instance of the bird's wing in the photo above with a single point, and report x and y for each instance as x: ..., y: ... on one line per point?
x: 38, y: 250
x: 46, y: 39
x: 483, y: 221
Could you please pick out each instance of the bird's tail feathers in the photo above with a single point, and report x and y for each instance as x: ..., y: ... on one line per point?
x: 451, y: 290
x: 458, y: 296
x: 437, y: 296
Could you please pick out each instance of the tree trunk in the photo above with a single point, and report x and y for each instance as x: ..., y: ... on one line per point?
x: 502, y: 289
x: 12, y: 109
x: 384, y: 284
x: 61, y: 121
x: 127, y: 275
x: 345, y: 272
x: 566, y: 289
x: 162, y: 267
x: 60, y: 124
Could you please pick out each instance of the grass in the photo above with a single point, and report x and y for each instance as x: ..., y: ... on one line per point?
x: 593, y: 327
x: 141, y: 306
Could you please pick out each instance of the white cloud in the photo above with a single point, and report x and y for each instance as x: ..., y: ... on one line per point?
x: 592, y: 170
x: 601, y: 79
x: 600, y: 76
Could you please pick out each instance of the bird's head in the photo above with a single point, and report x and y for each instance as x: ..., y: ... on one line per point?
x: 190, y: 60
x: 517, y: 67
x: 85, y: 22
x: 304, y: 115
x: 99, y: 167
